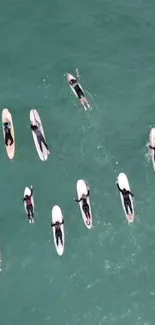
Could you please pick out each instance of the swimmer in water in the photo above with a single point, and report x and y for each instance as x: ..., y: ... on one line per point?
x: 58, y: 232
x: 85, y: 205
x: 127, y: 201
x: 7, y: 131
x: 74, y: 83
x: 40, y: 138
x: 29, y: 206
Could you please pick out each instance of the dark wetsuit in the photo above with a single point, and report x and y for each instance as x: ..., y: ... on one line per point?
x: 29, y: 205
x: 40, y: 137
x: 127, y: 202
x: 153, y: 148
x: 85, y: 205
x: 8, y: 136
x: 58, y: 232
x: 75, y: 85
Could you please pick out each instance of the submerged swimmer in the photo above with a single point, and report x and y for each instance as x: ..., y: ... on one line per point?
x: 85, y: 205
x: 58, y: 232
x: 74, y: 83
x: 127, y: 201
x: 7, y: 130
x: 40, y: 138
x: 29, y: 206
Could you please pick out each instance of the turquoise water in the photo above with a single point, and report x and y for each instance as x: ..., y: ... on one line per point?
x: 106, y: 275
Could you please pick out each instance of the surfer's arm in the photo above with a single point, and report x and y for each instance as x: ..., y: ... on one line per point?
x: 77, y: 75
x: 88, y: 193
x: 31, y: 191
x: 62, y: 222
x: 78, y: 200
x: 131, y: 194
x: 119, y: 188
x: 151, y: 147
x: 24, y: 199
x: 52, y: 224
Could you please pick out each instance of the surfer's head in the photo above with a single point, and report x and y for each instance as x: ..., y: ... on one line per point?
x: 83, y: 196
x: 57, y: 224
x: 72, y: 81
x: 124, y: 190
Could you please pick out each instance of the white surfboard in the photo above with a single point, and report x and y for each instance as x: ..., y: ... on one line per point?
x: 57, y: 216
x: 83, y: 189
x: 85, y: 104
x: 27, y: 191
x: 6, y: 117
x: 124, y: 183
x: 152, y: 143
x: 35, y: 119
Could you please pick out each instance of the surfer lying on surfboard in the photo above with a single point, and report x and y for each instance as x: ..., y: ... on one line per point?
x: 85, y: 206
x: 7, y: 130
x: 153, y: 148
x: 40, y: 138
x: 78, y: 90
x: 29, y: 205
x: 127, y: 202
x: 58, y: 232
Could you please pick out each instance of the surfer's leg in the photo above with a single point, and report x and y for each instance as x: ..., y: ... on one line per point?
x: 60, y: 236
x: 130, y: 206
x: 86, y: 210
x: 40, y: 143
x: 6, y: 139
x: 126, y: 205
x: 57, y: 238
x: 45, y: 144
x: 28, y: 212
x: 31, y: 210
x: 10, y: 138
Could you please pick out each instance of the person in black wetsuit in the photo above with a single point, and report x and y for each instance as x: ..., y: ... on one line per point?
x: 58, y: 232
x: 153, y: 148
x: 29, y: 206
x: 7, y: 131
x: 75, y: 85
x: 39, y: 136
x: 85, y: 205
x: 127, y: 202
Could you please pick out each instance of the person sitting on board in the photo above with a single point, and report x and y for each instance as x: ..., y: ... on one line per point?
x: 127, y: 202
x: 58, y: 232
x: 74, y: 83
x: 7, y: 131
x: 29, y: 206
x: 85, y: 205
x: 35, y: 128
x: 153, y: 148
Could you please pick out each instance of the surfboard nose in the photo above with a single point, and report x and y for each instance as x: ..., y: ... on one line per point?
x: 56, y: 209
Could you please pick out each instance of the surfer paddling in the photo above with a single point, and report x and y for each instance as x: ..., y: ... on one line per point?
x: 29, y: 206
x: 7, y: 131
x: 58, y: 232
x: 127, y: 201
x: 41, y: 140
x: 74, y: 83
x: 85, y: 206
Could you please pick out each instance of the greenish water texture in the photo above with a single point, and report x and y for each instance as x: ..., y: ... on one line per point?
x: 107, y: 274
